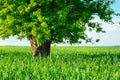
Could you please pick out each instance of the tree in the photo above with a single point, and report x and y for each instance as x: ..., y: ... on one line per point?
x: 51, y: 21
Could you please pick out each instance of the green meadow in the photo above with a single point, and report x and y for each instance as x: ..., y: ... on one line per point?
x: 64, y: 63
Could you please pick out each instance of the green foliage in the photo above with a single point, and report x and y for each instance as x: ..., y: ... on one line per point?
x: 65, y: 63
x: 53, y: 20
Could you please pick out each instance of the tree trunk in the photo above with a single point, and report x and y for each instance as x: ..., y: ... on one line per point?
x: 40, y: 50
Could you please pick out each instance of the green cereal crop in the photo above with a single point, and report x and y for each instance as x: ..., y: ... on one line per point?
x: 64, y: 63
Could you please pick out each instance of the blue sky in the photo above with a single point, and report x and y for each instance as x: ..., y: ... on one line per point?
x: 110, y: 38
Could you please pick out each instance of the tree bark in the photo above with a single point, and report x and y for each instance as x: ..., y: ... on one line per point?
x: 40, y: 50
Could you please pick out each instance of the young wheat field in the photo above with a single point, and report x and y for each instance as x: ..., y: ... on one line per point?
x: 64, y: 63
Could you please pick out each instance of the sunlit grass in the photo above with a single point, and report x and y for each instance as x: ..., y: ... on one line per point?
x: 64, y: 63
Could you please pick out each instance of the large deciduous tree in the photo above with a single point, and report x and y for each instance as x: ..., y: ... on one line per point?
x: 51, y: 21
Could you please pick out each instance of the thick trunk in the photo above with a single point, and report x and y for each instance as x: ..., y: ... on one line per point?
x: 40, y: 50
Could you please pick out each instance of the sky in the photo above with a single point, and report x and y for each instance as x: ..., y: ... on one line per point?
x: 110, y: 38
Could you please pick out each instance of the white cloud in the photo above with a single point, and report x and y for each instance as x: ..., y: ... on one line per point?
x: 115, y: 26
x: 14, y: 41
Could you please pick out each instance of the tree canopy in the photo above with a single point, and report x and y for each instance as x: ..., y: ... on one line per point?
x: 53, y: 20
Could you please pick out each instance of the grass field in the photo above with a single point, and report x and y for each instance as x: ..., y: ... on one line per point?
x: 64, y: 63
